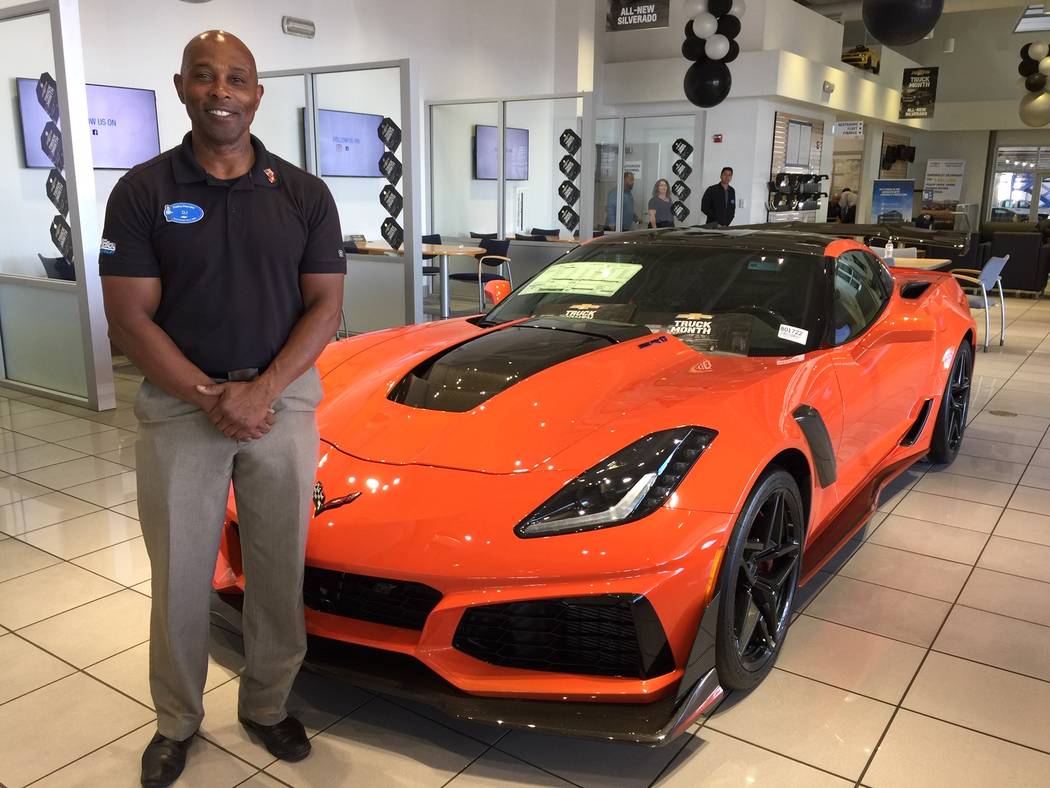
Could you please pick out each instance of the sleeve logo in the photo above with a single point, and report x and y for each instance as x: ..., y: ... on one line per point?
x: 107, y: 247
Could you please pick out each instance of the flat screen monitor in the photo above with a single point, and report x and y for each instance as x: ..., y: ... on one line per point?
x: 486, y: 153
x: 348, y: 144
x: 123, y: 123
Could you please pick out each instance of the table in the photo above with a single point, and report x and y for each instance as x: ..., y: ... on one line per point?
x: 441, y: 251
x: 923, y: 263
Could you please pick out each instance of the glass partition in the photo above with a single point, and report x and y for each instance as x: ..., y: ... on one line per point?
x: 279, y: 123
x: 664, y: 191
x: 606, y: 173
x: 464, y: 167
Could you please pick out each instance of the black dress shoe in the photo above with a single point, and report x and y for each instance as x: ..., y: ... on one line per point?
x: 285, y: 740
x: 163, y: 760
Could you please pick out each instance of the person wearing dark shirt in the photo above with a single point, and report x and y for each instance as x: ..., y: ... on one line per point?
x: 719, y: 201
x: 627, y: 217
x: 660, y: 205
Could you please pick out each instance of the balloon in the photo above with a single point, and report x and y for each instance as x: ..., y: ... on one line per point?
x: 693, y: 49
x: 705, y: 25
x: 1044, y: 66
x: 729, y: 26
x: 719, y: 7
x: 708, y: 82
x: 1027, y: 68
x: 1035, y: 83
x: 1038, y: 51
x: 1024, y: 51
x: 716, y: 47
x: 897, y: 22
x: 738, y: 8
x: 734, y: 51
x: 695, y: 8
x: 1034, y: 109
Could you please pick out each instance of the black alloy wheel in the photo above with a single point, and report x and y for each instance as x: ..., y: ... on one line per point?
x: 758, y: 582
x: 950, y: 427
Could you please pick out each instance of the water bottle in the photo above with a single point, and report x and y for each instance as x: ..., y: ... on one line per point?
x: 889, y: 250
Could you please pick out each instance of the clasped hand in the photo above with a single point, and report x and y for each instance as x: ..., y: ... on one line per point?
x: 239, y: 410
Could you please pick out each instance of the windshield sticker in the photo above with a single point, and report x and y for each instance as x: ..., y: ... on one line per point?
x: 583, y: 311
x: 586, y: 279
x: 792, y: 334
x: 610, y: 313
x: 725, y: 333
x: 693, y: 323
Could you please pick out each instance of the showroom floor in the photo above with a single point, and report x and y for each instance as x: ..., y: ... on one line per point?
x: 921, y: 661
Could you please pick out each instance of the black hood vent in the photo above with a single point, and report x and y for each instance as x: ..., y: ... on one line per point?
x: 465, y: 376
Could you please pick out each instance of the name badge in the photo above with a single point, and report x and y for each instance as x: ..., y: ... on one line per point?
x: 183, y: 213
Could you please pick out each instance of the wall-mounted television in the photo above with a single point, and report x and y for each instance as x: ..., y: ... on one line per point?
x: 515, y: 156
x: 348, y: 144
x: 123, y: 124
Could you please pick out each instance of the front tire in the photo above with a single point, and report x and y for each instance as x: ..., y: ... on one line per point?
x: 759, y: 578
x: 954, y: 410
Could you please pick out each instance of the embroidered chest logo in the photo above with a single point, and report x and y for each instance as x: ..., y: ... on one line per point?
x: 270, y: 175
x: 183, y: 213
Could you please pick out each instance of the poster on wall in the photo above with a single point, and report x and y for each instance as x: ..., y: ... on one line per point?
x: 892, y: 200
x: 918, y: 93
x: 942, y: 189
x: 629, y: 15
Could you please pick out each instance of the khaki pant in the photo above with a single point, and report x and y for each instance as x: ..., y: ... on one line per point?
x: 184, y: 469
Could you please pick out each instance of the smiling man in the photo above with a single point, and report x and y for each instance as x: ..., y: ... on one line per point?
x: 223, y: 271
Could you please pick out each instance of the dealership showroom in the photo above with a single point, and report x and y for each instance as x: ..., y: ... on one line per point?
x: 682, y: 417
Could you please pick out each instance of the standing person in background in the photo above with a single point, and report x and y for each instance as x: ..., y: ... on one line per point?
x: 627, y: 217
x: 848, y: 201
x: 660, y: 205
x: 719, y: 202
x: 835, y: 208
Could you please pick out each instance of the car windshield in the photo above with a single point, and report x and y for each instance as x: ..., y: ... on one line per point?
x: 716, y: 300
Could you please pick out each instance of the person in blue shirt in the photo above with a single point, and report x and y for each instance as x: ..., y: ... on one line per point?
x: 627, y: 217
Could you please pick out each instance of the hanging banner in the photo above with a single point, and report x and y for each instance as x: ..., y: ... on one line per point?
x: 918, y: 93
x: 942, y: 189
x: 629, y: 15
x: 892, y: 201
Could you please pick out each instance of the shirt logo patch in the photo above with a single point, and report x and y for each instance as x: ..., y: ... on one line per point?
x: 183, y: 213
x: 107, y: 247
x: 269, y: 175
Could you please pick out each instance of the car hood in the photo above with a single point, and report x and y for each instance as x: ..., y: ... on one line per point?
x: 439, y: 396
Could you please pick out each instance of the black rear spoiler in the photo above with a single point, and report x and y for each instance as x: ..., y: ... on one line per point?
x: 899, y: 234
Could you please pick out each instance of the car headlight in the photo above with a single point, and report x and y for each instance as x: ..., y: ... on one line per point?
x: 627, y: 486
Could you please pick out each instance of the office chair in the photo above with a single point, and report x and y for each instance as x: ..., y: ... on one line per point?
x: 483, y: 236
x: 545, y: 233
x: 495, y: 256
x: 988, y: 277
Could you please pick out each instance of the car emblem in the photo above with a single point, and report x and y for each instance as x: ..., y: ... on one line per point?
x: 321, y: 505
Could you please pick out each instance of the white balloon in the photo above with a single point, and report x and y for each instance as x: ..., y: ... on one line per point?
x: 1044, y: 66
x: 738, y: 8
x: 1035, y: 109
x: 716, y: 47
x: 705, y: 25
x: 695, y: 8
x: 1038, y: 51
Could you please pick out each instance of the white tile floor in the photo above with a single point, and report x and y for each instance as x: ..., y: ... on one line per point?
x: 919, y: 659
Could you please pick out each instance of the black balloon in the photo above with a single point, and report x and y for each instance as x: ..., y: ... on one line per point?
x: 1035, y: 83
x: 1027, y: 67
x: 898, y: 22
x: 1024, y: 53
x: 719, y: 7
x: 693, y: 49
x: 729, y: 26
x: 689, y: 31
x: 707, y: 83
x: 734, y: 52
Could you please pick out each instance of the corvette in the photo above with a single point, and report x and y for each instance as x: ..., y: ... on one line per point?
x: 589, y: 510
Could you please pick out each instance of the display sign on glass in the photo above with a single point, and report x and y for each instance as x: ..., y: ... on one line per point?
x: 51, y: 144
x: 631, y: 15
x: 62, y: 237
x: 680, y: 190
x: 681, y: 213
x: 392, y: 233
x: 515, y: 153
x: 392, y: 200
x: 681, y: 148
x: 892, y: 201
x: 682, y: 170
x: 918, y: 93
x: 47, y: 95
x: 348, y: 144
x: 569, y: 167
x: 569, y: 218
x: 56, y: 191
x: 570, y: 141
x: 568, y: 192
x: 390, y: 167
x: 390, y: 134
x: 942, y: 189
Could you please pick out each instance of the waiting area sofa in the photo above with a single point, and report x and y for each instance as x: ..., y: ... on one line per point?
x: 1029, y: 251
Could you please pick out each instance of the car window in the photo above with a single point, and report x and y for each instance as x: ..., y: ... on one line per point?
x: 859, y: 295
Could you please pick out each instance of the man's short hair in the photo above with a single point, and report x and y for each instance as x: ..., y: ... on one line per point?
x: 725, y: 170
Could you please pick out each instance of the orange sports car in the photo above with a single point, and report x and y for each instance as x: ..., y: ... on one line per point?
x: 590, y: 509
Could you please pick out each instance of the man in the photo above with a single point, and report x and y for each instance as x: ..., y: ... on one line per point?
x: 848, y: 211
x: 627, y: 217
x: 719, y: 201
x: 223, y: 273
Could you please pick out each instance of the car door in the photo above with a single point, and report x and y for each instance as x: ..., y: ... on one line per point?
x: 880, y: 358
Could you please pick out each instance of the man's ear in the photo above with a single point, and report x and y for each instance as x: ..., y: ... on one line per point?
x: 177, y: 79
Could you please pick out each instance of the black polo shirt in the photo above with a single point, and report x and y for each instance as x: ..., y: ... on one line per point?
x: 228, y: 253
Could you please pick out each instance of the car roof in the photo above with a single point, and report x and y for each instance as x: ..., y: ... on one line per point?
x: 726, y: 238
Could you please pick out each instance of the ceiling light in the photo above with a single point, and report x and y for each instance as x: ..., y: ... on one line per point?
x: 1035, y: 17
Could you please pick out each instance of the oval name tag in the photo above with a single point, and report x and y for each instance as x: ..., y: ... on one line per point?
x: 183, y: 213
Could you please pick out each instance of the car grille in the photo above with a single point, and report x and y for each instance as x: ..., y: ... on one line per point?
x: 606, y: 635
x: 396, y: 603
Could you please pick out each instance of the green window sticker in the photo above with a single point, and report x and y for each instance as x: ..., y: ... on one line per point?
x: 590, y: 278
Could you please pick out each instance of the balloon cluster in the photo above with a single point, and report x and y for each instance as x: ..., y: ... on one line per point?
x: 710, y: 43
x: 1035, y: 68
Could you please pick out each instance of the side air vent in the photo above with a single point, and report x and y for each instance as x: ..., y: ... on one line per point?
x: 913, y: 290
x: 919, y: 425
